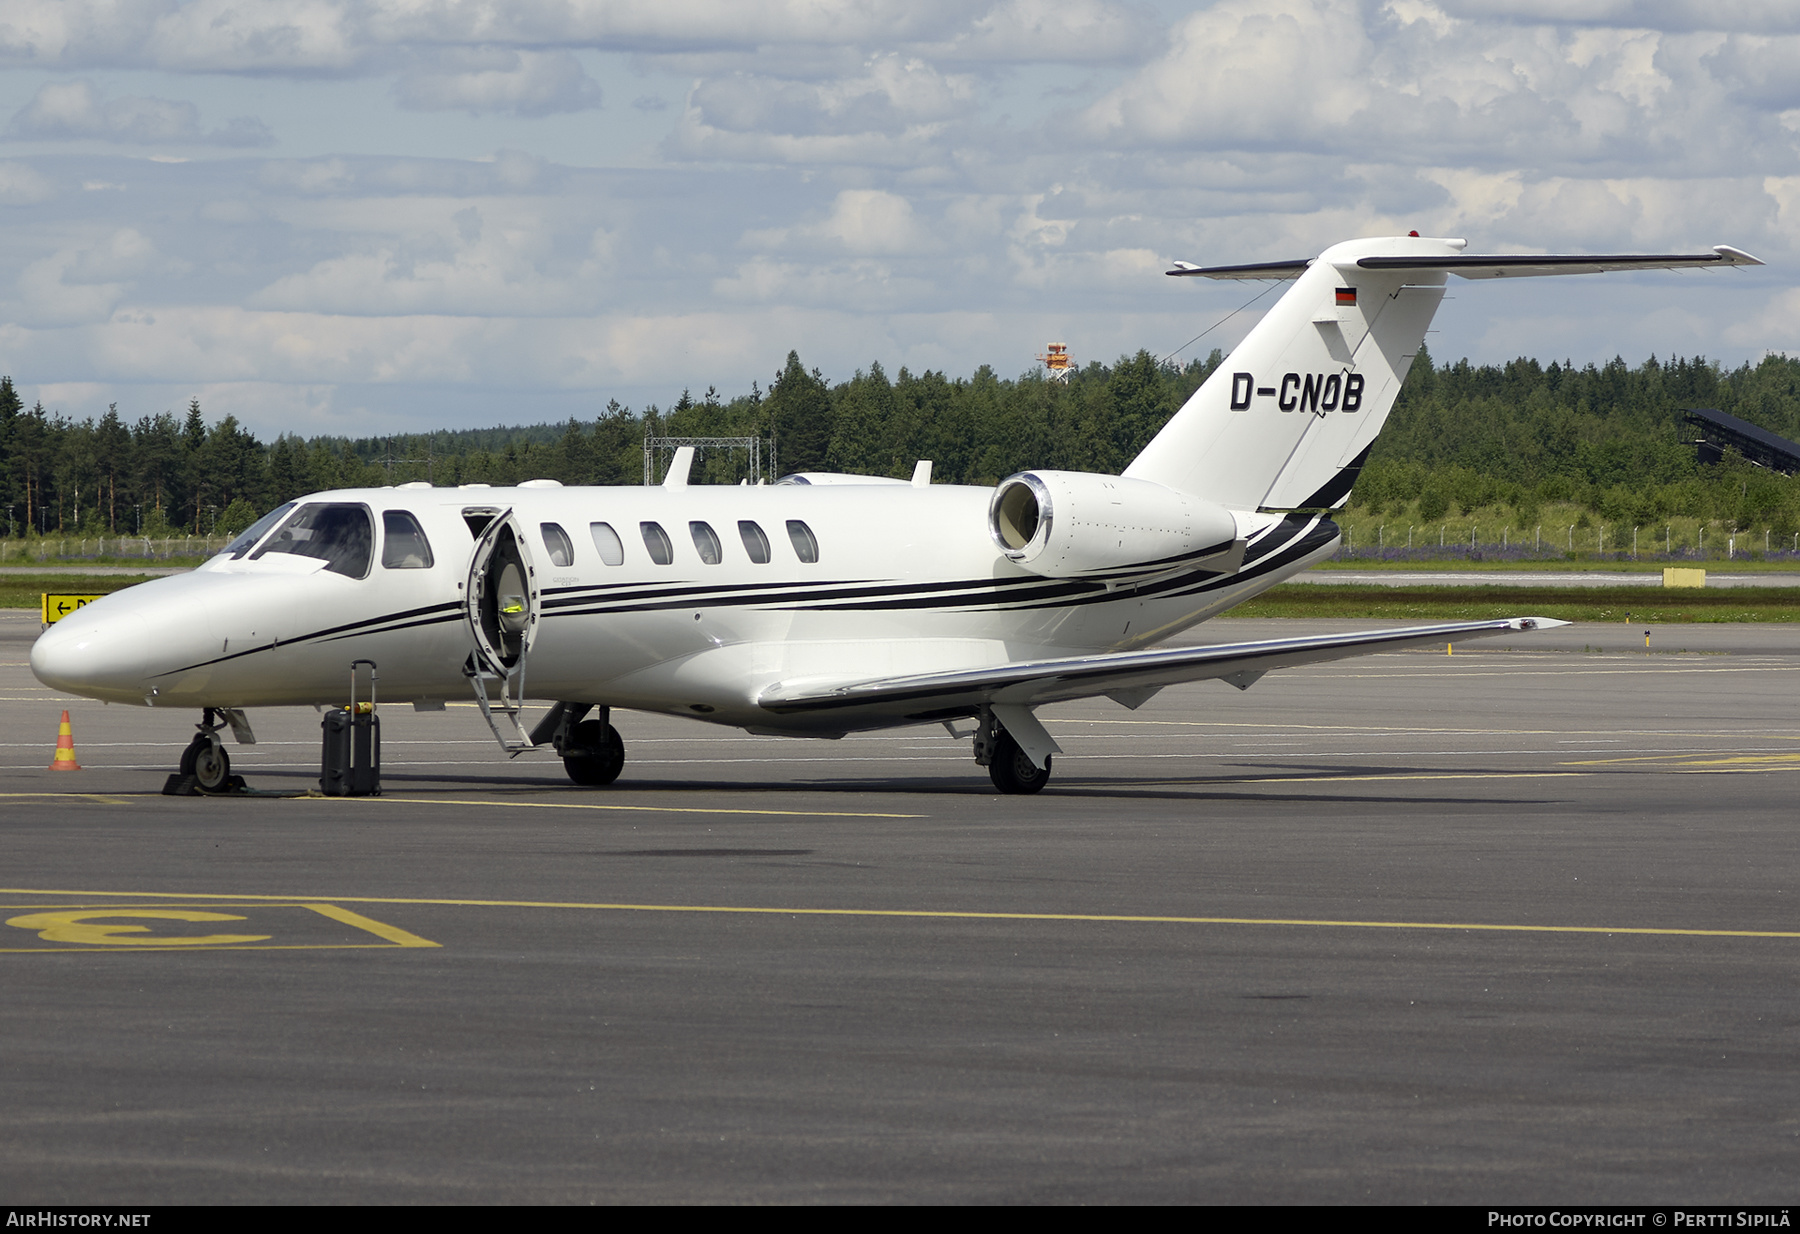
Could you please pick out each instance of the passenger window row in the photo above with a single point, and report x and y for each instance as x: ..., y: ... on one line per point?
x: 662, y: 550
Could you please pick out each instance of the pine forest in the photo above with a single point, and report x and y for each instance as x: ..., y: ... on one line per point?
x: 1550, y: 459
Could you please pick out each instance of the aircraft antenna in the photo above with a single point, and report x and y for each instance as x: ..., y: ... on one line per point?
x: 654, y: 447
x: 1215, y: 325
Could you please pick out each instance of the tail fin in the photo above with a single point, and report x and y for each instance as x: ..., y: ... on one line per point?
x: 1287, y: 421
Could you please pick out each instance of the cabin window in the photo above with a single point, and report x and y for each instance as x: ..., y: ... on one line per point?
x: 806, y: 546
x: 403, y: 544
x: 706, y: 543
x: 755, y: 542
x: 257, y: 530
x: 607, y: 544
x: 340, y: 534
x: 556, y: 540
x: 656, y: 540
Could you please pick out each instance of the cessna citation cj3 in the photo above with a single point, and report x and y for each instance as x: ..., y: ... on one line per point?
x: 822, y: 604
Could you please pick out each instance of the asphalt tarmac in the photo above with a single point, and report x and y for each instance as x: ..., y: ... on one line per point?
x: 1511, y: 925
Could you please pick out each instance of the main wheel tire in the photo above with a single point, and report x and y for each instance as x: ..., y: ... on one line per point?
x: 1011, y: 769
x: 207, y: 762
x: 594, y: 755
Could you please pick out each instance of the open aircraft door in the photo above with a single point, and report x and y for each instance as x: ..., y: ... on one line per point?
x: 502, y: 612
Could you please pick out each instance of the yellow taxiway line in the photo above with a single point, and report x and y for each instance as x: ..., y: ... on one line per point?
x: 930, y: 914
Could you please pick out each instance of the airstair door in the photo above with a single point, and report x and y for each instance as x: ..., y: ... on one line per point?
x: 502, y: 611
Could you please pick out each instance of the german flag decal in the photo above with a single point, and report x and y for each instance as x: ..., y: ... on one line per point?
x: 1346, y: 295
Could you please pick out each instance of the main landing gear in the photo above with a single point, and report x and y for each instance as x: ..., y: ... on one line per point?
x: 591, y: 750
x: 1009, y: 767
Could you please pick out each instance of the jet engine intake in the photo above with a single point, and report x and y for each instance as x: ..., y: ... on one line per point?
x: 1065, y: 524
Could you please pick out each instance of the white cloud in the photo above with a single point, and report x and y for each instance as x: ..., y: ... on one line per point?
x: 922, y: 184
x: 489, y: 257
x: 850, y: 286
x: 23, y: 185
x: 1411, y: 85
x: 1742, y: 15
x: 492, y: 79
x: 84, y: 282
x: 864, y: 222
x: 1066, y: 31
x: 238, y: 36
x: 892, y: 110
x: 62, y: 111
x: 343, y: 36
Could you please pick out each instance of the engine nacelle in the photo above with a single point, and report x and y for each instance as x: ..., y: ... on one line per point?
x: 1063, y: 524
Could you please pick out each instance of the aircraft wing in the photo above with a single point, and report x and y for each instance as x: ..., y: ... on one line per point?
x: 1129, y: 677
x: 1488, y: 265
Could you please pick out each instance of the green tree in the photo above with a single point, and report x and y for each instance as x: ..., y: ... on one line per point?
x: 235, y: 517
x: 799, y: 408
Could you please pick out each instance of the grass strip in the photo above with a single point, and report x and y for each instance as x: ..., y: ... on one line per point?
x: 19, y: 590
x: 1541, y: 565
x: 1478, y: 603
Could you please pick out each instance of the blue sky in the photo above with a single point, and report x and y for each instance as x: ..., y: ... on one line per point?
x: 360, y: 216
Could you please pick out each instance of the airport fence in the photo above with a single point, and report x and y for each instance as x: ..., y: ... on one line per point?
x: 109, y: 548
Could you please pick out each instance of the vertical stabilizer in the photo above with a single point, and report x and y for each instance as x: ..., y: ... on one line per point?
x: 1288, y: 419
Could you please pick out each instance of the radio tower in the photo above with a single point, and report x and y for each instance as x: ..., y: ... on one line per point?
x: 1056, y: 362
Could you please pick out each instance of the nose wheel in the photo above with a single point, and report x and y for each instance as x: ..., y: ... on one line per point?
x: 205, y: 767
x: 205, y: 759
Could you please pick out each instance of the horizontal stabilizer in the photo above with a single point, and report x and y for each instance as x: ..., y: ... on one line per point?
x: 1031, y: 683
x: 1488, y: 265
x: 1259, y: 270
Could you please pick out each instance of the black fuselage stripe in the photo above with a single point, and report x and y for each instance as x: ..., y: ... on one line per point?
x: 1270, y: 551
x: 378, y: 625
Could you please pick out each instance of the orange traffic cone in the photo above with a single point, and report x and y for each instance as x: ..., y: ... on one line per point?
x: 65, y: 748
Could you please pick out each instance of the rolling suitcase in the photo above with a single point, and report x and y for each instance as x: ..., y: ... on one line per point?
x: 350, y: 762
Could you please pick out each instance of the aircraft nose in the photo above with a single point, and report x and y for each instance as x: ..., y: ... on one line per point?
x: 98, y: 656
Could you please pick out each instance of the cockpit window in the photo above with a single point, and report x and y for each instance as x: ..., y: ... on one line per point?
x: 706, y: 543
x: 340, y: 534
x: 403, y: 543
x: 257, y: 530
x: 562, y: 549
x: 806, y: 545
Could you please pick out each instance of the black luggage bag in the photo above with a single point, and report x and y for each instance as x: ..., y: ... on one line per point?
x: 350, y: 761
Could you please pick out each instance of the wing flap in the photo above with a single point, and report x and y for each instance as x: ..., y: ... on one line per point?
x: 1034, y: 682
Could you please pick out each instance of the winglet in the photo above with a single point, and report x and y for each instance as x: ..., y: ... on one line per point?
x: 1736, y: 256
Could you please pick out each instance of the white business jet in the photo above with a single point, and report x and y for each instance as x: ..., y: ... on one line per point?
x: 822, y: 604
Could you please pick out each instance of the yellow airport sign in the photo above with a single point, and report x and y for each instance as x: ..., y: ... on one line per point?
x: 56, y: 607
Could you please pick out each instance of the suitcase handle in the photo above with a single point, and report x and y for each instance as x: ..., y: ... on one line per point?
x: 373, y: 678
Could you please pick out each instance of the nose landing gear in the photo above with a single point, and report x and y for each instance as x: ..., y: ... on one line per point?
x: 205, y: 767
